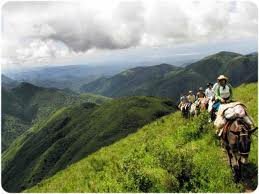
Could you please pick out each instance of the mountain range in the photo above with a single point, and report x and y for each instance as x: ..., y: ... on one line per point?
x: 170, y: 81
x: 71, y: 76
x: 8, y: 82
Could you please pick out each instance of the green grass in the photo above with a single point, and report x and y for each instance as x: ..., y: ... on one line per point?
x: 73, y: 133
x: 97, y: 99
x: 168, y: 155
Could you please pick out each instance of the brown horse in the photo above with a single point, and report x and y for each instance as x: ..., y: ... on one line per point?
x: 237, y: 139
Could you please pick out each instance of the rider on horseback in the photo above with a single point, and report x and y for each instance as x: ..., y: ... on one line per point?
x: 209, y: 91
x: 191, y: 97
x: 223, y: 94
x: 183, y: 102
x: 200, y: 93
x: 229, y: 108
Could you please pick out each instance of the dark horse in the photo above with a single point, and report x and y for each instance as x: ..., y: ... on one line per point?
x: 185, y: 111
x: 237, y: 138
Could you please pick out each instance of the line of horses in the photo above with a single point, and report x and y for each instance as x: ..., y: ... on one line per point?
x: 194, y: 109
x: 236, y: 137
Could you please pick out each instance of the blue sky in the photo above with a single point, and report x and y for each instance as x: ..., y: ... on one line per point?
x: 116, y: 31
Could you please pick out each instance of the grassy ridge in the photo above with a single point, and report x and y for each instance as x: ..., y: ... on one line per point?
x: 168, y: 155
x: 72, y: 133
x: 26, y: 104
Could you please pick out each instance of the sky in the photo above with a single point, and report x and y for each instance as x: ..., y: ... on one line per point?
x: 35, y: 33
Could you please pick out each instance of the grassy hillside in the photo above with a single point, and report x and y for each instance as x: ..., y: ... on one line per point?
x: 27, y: 104
x: 169, y: 81
x: 168, y: 155
x: 73, y: 133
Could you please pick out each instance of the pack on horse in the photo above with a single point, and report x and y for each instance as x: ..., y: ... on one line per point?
x: 236, y: 136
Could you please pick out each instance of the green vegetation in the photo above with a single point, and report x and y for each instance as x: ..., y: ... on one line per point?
x: 168, y: 155
x: 27, y: 104
x: 169, y: 81
x: 93, y: 98
x: 71, y: 134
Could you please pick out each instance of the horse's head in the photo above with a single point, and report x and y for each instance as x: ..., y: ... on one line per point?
x: 244, y: 141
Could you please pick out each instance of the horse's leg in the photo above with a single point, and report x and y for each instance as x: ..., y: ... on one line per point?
x: 236, y: 168
x: 229, y: 157
x: 240, y: 169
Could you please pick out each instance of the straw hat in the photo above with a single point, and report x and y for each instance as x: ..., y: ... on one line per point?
x: 221, y: 77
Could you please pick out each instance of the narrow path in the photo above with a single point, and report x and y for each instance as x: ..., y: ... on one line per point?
x: 249, y: 174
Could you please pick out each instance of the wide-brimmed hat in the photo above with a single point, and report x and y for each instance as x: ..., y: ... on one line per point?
x: 190, y: 91
x: 209, y: 84
x: 221, y: 77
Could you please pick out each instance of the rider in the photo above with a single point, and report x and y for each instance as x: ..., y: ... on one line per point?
x: 191, y: 97
x: 224, y: 92
x: 200, y: 93
x: 183, y: 102
x: 209, y: 91
x: 223, y: 95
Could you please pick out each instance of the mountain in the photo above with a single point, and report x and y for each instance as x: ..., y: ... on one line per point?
x: 169, y: 81
x: 27, y: 104
x: 8, y: 82
x: 168, y: 155
x: 239, y: 68
x: 136, y: 81
x: 70, y: 76
x: 71, y: 134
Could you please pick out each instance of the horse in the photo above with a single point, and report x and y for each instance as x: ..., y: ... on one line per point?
x: 195, y: 109
x: 237, y: 140
x: 185, y: 110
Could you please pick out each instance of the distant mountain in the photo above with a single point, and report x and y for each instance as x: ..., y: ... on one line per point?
x: 169, y: 81
x: 71, y: 134
x: 61, y: 77
x: 27, y: 104
x: 136, y: 81
x: 8, y: 82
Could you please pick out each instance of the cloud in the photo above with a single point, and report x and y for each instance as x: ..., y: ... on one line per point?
x: 42, y: 31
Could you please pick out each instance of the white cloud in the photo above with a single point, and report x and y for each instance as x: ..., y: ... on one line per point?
x: 37, y: 32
